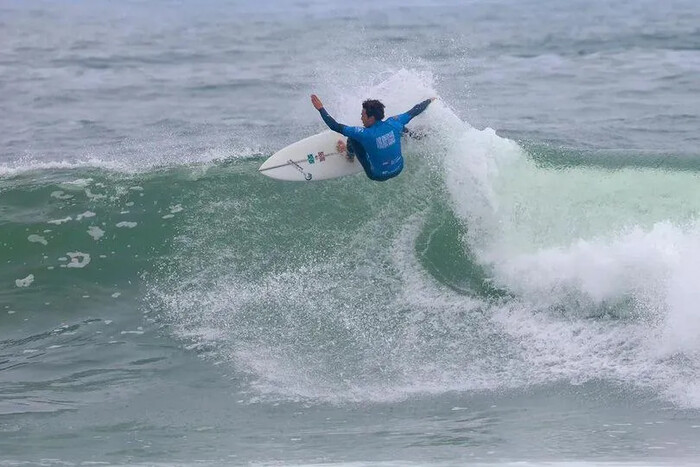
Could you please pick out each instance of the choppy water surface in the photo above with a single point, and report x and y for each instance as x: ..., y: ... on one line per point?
x: 525, y: 291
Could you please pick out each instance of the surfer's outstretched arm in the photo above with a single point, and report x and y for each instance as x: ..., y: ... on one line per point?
x: 415, y: 111
x: 345, y: 130
x: 419, y: 108
x: 330, y: 121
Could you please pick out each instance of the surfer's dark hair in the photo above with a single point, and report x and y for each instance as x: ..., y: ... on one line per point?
x: 374, y: 108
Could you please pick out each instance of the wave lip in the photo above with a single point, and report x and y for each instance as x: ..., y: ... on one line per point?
x: 129, y: 165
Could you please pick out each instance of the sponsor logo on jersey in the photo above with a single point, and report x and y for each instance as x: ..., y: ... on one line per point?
x: 386, y: 140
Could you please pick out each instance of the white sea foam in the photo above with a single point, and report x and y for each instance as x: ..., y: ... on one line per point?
x: 95, y: 232
x: 26, y: 282
x: 37, y: 239
x: 78, y: 259
x: 60, y: 194
x: 80, y: 183
x: 118, y: 163
x: 61, y: 221
x: 94, y: 196
x: 585, y: 242
x: 86, y: 214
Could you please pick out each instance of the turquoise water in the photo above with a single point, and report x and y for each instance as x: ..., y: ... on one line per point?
x: 524, y: 292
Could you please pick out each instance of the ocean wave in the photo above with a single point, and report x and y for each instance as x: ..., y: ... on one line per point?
x: 482, y: 267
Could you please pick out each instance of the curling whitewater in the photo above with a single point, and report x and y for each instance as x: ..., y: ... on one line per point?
x: 601, y: 265
x: 337, y: 292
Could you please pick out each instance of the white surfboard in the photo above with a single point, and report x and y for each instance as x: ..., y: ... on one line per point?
x: 311, y: 159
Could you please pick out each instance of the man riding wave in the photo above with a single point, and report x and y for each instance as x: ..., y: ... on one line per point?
x: 376, y: 144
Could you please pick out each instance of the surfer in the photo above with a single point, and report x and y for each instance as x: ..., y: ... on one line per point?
x: 376, y: 144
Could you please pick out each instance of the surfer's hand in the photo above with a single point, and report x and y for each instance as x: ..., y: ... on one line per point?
x: 316, y: 102
x: 432, y: 99
x: 341, y: 147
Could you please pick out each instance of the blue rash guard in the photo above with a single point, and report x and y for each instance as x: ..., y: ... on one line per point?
x: 381, y: 142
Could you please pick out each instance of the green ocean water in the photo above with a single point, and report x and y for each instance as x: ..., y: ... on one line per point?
x: 386, y: 301
x: 525, y: 292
